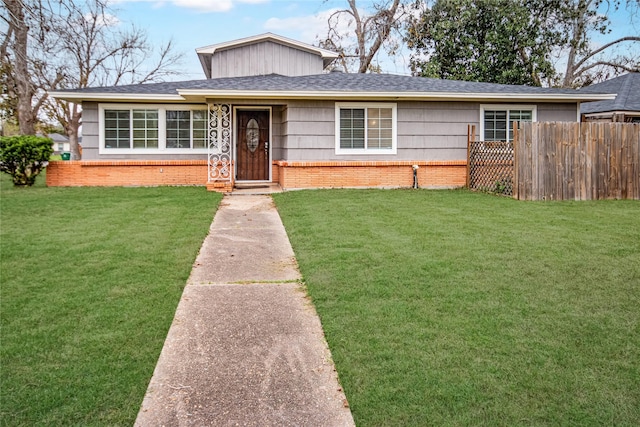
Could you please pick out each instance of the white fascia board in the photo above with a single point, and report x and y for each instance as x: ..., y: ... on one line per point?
x: 504, y: 97
x: 612, y: 112
x: 263, y: 37
x: 78, y: 96
x: 186, y: 94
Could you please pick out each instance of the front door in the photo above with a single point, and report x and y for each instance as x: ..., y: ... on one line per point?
x: 252, y: 150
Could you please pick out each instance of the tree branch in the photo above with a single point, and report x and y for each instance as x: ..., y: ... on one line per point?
x: 604, y: 47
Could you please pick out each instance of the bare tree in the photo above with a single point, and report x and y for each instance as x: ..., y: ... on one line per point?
x: 77, y: 44
x: 372, y: 32
x: 587, y: 63
x: 15, y: 67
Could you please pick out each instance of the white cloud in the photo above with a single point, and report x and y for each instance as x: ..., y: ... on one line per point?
x: 308, y: 27
x: 199, y: 5
x: 106, y: 20
x: 205, y: 5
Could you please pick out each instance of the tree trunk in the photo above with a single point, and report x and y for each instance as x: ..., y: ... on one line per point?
x: 26, y: 117
x: 72, y: 126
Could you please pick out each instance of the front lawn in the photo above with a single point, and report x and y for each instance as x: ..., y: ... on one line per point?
x: 456, y: 308
x: 90, y: 279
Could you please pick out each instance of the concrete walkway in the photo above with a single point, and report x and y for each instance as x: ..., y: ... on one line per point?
x: 245, y: 347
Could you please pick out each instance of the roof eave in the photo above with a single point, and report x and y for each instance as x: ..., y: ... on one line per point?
x: 114, y: 97
x: 612, y: 112
x: 423, y: 96
x: 324, y: 53
x: 202, y: 94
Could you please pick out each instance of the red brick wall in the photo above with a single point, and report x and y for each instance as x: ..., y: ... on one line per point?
x: 126, y: 173
x: 370, y: 174
x: 288, y: 174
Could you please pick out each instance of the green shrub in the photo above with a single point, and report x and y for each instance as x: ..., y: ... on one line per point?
x: 24, y: 156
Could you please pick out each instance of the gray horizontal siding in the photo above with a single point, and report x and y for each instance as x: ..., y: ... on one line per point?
x: 90, y: 129
x: 264, y: 58
x: 305, y: 130
x: 426, y: 131
x: 557, y: 112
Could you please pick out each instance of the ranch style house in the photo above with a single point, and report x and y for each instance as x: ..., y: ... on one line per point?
x: 270, y: 112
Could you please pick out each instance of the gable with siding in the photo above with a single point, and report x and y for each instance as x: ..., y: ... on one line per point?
x: 261, y: 55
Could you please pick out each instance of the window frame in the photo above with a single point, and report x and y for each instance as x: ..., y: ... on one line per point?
x: 367, y: 151
x: 507, y: 108
x: 162, y: 128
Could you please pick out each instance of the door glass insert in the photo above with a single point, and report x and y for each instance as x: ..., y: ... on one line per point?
x: 253, y: 135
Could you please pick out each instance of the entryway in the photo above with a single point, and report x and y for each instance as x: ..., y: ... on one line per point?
x: 253, y: 145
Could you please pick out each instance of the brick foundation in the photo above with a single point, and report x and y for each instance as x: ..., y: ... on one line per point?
x: 388, y: 174
x: 99, y: 173
x: 290, y: 175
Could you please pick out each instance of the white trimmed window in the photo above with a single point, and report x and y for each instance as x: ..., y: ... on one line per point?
x: 153, y: 128
x: 366, y: 128
x: 186, y: 128
x: 496, y: 121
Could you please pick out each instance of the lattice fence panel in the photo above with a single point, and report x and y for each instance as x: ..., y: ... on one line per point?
x: 491, y: 166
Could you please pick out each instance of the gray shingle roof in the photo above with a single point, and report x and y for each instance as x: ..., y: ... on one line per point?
x: 628, y: 89
x: 326, y: 82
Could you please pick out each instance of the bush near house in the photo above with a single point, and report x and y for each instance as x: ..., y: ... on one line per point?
x: 24, y: 157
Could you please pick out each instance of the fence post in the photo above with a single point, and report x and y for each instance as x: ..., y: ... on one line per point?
x: 471, y: 131
x: 516, y: 178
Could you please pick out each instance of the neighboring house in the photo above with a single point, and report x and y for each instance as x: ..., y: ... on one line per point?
x: 60, y: 143
x: 269, y: 111
x: 624, y: 108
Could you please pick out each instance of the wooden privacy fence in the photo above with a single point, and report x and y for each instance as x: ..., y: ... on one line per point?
x: 577, y: 161
x: 559, y: 161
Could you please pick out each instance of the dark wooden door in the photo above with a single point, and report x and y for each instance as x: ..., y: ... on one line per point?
x: 252, y: 151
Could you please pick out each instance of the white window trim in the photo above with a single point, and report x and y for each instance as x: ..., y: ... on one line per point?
x: 506, y: 107
x: 162, y: 128
x: 368, y: 151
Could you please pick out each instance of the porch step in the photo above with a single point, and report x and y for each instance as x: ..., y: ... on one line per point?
x: 256, y: 188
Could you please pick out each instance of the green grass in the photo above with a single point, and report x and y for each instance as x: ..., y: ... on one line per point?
x: 455, y: 308
x: 90, y: 279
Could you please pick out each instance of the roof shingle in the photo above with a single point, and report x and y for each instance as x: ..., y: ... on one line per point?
x: 626, y: 86
x: 327, y: 82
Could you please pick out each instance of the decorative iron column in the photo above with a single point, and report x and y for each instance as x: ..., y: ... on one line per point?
x: 220, y: 147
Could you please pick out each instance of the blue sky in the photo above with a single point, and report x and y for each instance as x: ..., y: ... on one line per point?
x: 197, y: 23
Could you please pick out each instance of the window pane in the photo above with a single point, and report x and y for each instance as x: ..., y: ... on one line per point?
x: 386, y: 113
x: 386, y: 123
x: 379, y: 128
x: 386, y: 143
x: 518, y: 116
x: 199, y: 120
x: 495, y: 124
x: 351, y: 128
x: 116, y: 132
x: 179, y: 129
x: 145, y: 128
